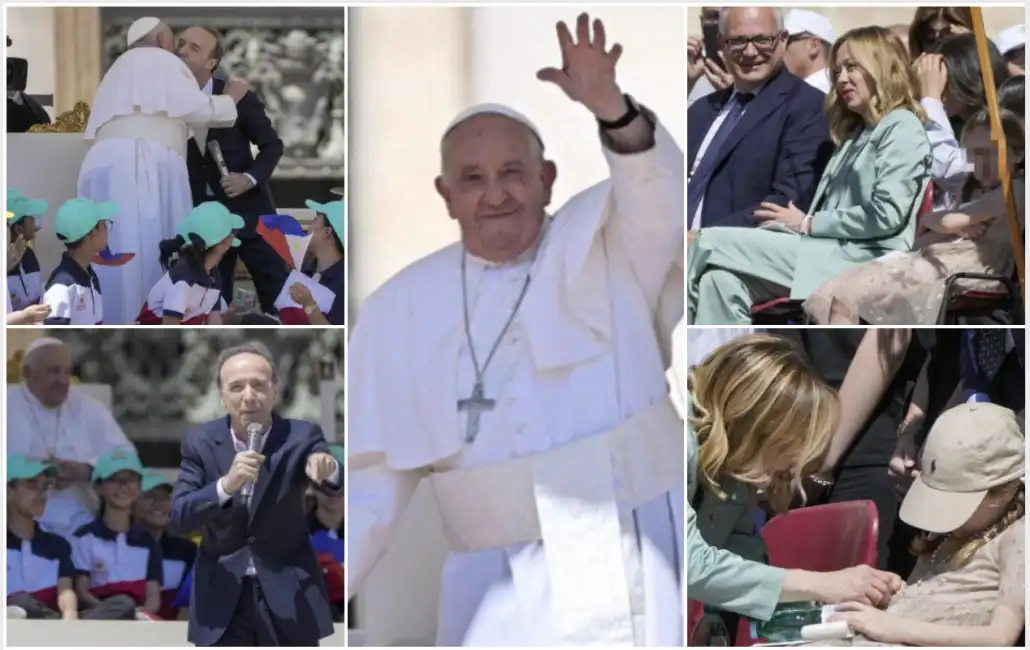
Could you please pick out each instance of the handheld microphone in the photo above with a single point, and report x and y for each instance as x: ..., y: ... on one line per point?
x: 215, y: 150
x: 254, y: 434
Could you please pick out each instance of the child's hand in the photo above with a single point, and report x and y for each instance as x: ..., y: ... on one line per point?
x: 973, y: 231
x: 301, y: 295
x: 15, y: 251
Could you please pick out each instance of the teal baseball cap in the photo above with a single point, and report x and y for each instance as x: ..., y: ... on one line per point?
x: 212, y: 222
x: 153, y: 479
x: 22, y: 206
x: 336, y: 214
x: 77, y: 217
x: 116, y: 461
x: 20, y: 468
x: 339, y: 454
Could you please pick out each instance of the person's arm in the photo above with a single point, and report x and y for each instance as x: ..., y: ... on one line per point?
x: 60, y: 298
x: 646, y: 172
x: 870, y: 373
x: 67, y: 601
x: 195, y: 500
x: 214, y: 318
x: 901, y: 166
x: 316, y: 317
x: 950, y: 167
x: 376, y: 499
x: 987, y: 207
x: 257, y: 128
x: 212, y: 111
x: 83, y: 594
x: 155, y: 576
x: 82, y: 563
x: 333, y: 486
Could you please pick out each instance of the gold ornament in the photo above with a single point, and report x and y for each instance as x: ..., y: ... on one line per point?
x: 73, y: 121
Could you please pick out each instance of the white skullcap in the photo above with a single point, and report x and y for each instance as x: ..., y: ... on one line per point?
x: 141, y: 28
x: 1011, y: 39
x: 39, y: 344
x: 493, y: 109
x: 800, y: 21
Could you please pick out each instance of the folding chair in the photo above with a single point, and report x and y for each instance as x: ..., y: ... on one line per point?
x: 822, y: 538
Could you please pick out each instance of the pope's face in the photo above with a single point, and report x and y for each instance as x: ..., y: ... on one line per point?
x: 248, y: 390
x: 49, y: 375
x: 496, y: 184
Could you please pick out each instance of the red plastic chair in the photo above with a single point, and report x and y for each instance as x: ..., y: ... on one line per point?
x: 695, y: 614
x: 784, y: 311
x: 830, y: 537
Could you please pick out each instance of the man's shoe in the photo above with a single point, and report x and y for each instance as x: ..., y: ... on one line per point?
x: 13, y: 611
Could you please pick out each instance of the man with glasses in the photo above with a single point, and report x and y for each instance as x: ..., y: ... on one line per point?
x: 810, y: 37
x: 764, y: 139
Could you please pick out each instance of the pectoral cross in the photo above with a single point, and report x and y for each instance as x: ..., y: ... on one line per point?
x: 475, y: 405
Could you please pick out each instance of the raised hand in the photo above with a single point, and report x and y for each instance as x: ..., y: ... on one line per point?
x: 587, y: 73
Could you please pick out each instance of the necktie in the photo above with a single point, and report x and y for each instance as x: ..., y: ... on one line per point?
x: 990, y: 352
x: 698, y: 183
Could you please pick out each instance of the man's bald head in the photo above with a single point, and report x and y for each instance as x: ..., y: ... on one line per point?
x: 496, y: 184
x: 47, y: 368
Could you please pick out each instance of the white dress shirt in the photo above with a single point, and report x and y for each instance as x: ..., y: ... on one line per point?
x: 200, y: 135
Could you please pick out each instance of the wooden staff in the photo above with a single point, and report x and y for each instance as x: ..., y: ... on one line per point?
x: 998, y: 137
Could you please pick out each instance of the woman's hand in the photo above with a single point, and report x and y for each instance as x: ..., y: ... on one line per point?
x: 862, y: 583
x: 789, y: 216
x: 933, y: 75
x: 904, y: 464
x: 871, y: 623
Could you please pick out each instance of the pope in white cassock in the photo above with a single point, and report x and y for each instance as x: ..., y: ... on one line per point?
x: 520, y: 373
x: 140, y: 119
x: 50, y: 420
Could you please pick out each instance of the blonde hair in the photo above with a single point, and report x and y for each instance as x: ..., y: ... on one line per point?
x: 755, y: 395
x: 882, y: 55
x: 923, y: 546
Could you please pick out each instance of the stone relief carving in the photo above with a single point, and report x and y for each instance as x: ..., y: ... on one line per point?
x: 163, y: 379
x: 298, y: 69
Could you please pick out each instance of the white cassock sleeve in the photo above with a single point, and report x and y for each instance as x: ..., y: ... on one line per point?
x: 377, y: 496
x: 213, y: 111
x: 106, y: 434
x: 647, y: 219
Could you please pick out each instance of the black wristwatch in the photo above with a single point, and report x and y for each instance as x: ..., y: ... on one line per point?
x: 632, y: 113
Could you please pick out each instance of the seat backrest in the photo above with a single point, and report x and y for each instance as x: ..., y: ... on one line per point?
x: 695, y: 613
x: 927, y: 205
x: 824, y: 538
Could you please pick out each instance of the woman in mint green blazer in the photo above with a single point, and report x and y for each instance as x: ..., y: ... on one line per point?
x: 758, y: 418
x: 866, y: 203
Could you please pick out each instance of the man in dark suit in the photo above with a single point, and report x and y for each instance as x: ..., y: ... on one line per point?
x: 766, y: 138
x: 245, y: 190
x: 257, y: 581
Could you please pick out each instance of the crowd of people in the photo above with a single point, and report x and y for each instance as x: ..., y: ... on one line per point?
x: 926, y: 424
x: 813, y: 159
x: 170, y: 198
x: 89, y: 528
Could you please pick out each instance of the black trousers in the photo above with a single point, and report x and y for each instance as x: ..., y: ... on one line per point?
x: 266, y: 268
x: 112, y: 608
x: 251, y: 622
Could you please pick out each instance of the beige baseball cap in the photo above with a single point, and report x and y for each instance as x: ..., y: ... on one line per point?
x: 971, y: 449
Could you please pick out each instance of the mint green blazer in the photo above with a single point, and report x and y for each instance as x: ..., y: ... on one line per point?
x: 871, y: 193
x: 715, y: 576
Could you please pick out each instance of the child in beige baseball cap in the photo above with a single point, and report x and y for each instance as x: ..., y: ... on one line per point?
x: 968, y: 588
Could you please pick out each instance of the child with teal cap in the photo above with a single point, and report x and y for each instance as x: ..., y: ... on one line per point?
x: 190, y: 292
x: 73, y: 290
x: 326, y: 266
x: 118, y: 561
x: 24, y: 277
x: 31, y: 315
x: 325, y: 523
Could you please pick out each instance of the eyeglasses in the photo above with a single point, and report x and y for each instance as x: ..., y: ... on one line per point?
x: 762, y: 43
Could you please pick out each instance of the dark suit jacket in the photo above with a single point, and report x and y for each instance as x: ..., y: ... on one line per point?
x: 776, y: 153
x: 252, y: 127
x: 274, y: 528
